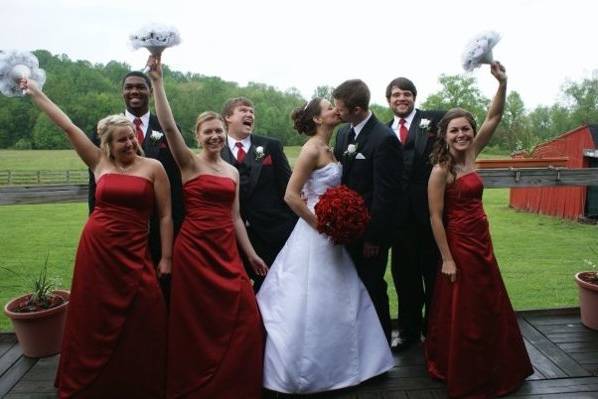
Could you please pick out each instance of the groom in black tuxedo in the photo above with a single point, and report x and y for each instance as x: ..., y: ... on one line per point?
x: 264, y: 172
x: 371, y: 157
x: 136, y: 91
x: 414, y: 253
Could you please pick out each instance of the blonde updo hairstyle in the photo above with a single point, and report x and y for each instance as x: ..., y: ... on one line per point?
x: 206, y: 117
x: 105, y: 129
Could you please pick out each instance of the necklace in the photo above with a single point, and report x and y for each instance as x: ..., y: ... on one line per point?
x: 214, y: 168
x: 462, y: 168
x: 125, y: 169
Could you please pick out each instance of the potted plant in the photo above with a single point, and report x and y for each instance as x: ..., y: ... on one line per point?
x: 588, y: 295
x: 38, y: 317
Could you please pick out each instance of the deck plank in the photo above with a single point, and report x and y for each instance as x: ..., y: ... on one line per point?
x: 563, y: 352
x: 551, y: 350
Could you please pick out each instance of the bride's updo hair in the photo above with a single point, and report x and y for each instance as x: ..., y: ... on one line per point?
x: 303, y: 117
x: 105, y: 130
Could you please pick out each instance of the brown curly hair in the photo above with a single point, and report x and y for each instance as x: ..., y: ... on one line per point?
x: 440, y: 153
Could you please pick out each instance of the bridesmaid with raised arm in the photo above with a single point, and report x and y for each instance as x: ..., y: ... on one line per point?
x: 215, y: 334
x: 473, y: 341
x: 114, y: 342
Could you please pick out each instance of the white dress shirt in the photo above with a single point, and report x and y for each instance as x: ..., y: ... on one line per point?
x: 232, y: 144
x: 396, y: 126
x: 144, y: 120
x: 361, y: 124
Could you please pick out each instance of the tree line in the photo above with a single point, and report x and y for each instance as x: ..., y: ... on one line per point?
x: 87, y: 92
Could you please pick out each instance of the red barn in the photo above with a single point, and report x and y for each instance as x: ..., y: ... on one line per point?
x: 579, y: 148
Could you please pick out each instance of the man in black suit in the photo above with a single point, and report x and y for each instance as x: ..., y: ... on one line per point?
x: 414, y: 253
x: 264, y: 172
x: 136, y: 91
x: 371, y: 157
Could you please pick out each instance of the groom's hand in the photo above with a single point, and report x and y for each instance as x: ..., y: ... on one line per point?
x: 370, y: 250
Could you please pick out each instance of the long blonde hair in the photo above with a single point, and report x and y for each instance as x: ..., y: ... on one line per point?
x: 105, y: 131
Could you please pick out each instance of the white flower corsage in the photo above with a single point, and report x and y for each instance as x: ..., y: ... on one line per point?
x: 259, y: 153
x: 424, y: 124
x: 350, y: 151
x: 156, y: 136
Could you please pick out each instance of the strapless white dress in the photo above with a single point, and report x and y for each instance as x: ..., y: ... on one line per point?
x: 323, y: 332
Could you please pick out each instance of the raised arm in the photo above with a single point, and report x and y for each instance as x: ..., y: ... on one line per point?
x: 436, y: 188
x: 181, y: 153
x: 305, y: 164
x: 88, y: 152
x: 495, y: 110
x: 257, y: 264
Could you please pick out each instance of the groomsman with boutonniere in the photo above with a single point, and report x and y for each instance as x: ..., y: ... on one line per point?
x: 414, y: 253
x: 371, y: 157
x: 136, y: 92
x: 264, y: 172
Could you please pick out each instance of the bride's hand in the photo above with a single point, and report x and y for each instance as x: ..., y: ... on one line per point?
x: 258, y: 265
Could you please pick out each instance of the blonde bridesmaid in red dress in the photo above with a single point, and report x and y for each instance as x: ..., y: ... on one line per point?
x: 473, y: 341
x: 114, y: 343
x: 215, y: 334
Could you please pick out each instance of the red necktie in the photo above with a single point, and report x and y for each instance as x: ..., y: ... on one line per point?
x: 138, y: 130
x: 240, y: 152
x: 403, y: 132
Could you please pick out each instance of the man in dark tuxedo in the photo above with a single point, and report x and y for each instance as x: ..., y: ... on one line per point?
x: 264, y: 172
x: 414, y: 253
x: 371, y: 157
x: 136, y: 92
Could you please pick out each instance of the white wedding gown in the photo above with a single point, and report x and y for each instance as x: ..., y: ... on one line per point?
x: 323, y: 332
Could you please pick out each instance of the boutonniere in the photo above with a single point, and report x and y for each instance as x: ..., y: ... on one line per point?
x: 156, y: 136
x: 259, y: 153
x: 424, y: 124
x: 350, y: 151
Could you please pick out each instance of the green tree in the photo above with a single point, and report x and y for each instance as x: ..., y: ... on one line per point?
x: 458, y: 91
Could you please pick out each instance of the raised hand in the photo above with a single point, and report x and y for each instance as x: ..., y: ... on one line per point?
x: 154, y: 66
x: 498, y: 71
x: 29, y: 86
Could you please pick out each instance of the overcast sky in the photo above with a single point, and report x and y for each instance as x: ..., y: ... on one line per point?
x: 308, y: 43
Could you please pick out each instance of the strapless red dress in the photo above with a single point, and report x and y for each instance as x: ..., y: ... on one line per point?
x: 215, y: 333
x: 114, y: 343
x: 473, y: 341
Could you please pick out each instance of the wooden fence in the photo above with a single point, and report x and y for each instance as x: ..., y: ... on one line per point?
x: 31, y: 177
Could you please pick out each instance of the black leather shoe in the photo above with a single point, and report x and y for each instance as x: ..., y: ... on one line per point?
x: 402, y: 344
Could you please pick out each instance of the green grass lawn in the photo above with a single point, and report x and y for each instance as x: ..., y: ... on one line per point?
x: 68, y: 159
x: 538, y: 255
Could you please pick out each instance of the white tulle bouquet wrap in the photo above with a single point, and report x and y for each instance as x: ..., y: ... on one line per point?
x: 17, y: 65
x: 155, y: 38
x: 479, y: 50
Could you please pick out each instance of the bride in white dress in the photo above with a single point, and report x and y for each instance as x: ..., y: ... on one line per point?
x: 323, y: 332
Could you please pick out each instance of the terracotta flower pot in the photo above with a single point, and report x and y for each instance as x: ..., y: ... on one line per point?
x: 38, y: 332
x: 588, y: 301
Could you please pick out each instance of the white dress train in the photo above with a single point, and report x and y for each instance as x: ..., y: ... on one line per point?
x: 323, y: 332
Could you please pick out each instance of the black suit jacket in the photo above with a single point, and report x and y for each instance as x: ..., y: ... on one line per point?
x: 263, y: 183
x: 158, y: 150
x: 417, y: 165
x: 375, y: 173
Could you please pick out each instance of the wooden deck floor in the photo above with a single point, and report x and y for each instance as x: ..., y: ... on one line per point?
x: 564, y: 354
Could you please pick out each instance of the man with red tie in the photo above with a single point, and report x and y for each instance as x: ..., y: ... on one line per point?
x: 414, y: 253
x: 136, y: 92
x: 264, y: 172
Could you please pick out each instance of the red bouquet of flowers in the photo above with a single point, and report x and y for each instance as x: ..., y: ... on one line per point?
x: 342, y: 215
